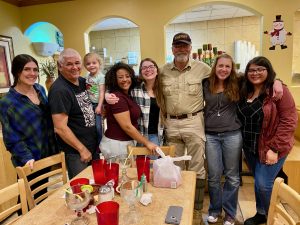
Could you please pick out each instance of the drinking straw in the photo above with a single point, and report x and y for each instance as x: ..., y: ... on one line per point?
x: 110, y: 164
x: 127, y: 157
x: 97, y: 210
x: 76, y: 195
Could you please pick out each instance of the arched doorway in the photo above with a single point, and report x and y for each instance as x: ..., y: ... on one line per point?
x: 224, y: 26
x: 116, y: 39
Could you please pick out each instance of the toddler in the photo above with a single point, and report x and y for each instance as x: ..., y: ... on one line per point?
x: 95, y: 86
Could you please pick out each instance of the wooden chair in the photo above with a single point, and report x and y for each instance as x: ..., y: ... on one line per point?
x: 283, y: 197
x: 168, y: 150
x: 56, y: 165
x: 11, y: 193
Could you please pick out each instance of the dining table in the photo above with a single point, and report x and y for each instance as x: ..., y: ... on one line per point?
x: 53, y: 210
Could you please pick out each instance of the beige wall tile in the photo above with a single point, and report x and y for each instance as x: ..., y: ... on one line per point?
x: 199, y: 25
x: 98, y: 43
x: 135, y: 44
x: 215, y: 23
x: 134, y: 31
x: 215, y: 35
x: 251, y: 33
x: 250, y: 20
x: 232, y: 34
x: 109, y: 44
x: 229, y: 49
x: 107, y: 33
x: 123, y: 44
x: 232, y: 22
x: 182, y: 27
x: 199, y: 37
x: 122, y: 32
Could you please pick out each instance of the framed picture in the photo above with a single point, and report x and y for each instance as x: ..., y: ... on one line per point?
x: 6, y: 56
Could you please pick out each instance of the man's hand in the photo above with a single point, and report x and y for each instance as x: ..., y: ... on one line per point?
x: 30, y: 163
x: 85, y: 155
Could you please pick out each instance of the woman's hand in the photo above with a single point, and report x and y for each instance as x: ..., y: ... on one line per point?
x: 277, y: 90
x: 30, y: 163
x: 152, y: 147
x: 111, y: 98
x: 271, y: 157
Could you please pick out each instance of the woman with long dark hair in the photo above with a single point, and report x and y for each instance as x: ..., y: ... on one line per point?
x: 268, y: 130
x: 122, y: 117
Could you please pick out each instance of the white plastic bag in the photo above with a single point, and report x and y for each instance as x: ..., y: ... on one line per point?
x: 165, y: 172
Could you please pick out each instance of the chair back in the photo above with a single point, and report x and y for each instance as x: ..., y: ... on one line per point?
x: 53, y: 165
x: 136, y: 151
x: 284, y: 205
x: 133, y: 150
x: 11, y: 193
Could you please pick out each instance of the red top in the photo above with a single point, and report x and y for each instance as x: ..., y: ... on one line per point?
x: 279, y: 124
x: 125, y: 103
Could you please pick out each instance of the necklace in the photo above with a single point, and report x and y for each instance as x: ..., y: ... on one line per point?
x: 219, y: 101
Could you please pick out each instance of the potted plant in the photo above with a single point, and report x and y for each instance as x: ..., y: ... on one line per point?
x: 48, y: 68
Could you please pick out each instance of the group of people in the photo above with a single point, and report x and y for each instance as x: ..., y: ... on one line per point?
x: 208, y: 113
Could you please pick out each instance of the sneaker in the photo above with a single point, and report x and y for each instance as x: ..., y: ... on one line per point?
x: 228, y: 220
x: 212, y: 219
x: 255, y: 220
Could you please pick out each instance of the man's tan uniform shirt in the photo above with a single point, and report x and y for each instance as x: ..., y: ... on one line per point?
x: 182, y: 90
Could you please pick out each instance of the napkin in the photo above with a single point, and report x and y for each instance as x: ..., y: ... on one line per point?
x: 146, y: 199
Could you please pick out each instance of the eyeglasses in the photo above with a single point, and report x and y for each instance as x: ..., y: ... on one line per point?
x: 257, y: 70
x: 151, y: 67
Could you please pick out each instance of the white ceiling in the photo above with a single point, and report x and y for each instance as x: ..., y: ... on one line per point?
x: 201, y: 13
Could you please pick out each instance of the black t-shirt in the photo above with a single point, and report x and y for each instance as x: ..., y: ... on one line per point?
x: 73, y: 100
x: 153, y: 117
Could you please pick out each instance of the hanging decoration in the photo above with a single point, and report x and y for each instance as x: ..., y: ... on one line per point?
x: 278, y: 34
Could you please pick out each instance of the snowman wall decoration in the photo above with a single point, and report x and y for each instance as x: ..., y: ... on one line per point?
x: 278, y: 34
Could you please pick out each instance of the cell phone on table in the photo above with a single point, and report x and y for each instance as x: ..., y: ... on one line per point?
x: 174, y: 215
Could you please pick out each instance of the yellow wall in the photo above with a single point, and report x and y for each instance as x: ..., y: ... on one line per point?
x: 74, y: 18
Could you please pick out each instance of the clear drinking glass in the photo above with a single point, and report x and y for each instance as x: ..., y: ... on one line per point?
x: 78, y: 201
x: 131, y: 192
x: 125, y: 163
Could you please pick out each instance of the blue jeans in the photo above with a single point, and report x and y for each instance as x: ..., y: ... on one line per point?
x: 264, y: 176
x: 223, y: 152
x: 98, y: 124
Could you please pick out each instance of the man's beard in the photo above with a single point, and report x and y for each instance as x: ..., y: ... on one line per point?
x: 182, y: 58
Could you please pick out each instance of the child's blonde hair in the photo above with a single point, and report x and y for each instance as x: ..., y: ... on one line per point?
x: 93, y: 55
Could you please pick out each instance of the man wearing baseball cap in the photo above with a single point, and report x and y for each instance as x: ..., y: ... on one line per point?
x: 182, y: 107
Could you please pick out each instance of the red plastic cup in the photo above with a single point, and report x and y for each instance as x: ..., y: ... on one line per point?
x: 98, y: 166
x: 143, y: 167
x: 112, y: 173
x: 108, y: 213
x: 75, y: 184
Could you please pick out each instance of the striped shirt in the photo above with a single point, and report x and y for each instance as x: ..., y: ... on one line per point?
x: 141, y: 97
x: 27, y: 128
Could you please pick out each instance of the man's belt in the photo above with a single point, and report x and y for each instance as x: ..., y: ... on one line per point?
x: 183, y: 116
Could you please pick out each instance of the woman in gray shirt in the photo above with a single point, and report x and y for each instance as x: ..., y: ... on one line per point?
x: 223, y: 138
